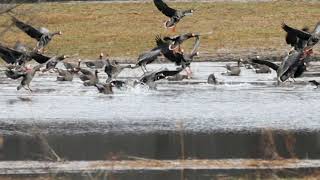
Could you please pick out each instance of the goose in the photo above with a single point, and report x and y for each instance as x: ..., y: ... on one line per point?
x: 73, y: 67
x: 105, y: 88
x: 42, y: 35
x: 179, y: 58
x: 114, y: 69
x: 232, y: 70
x: 64, y: 75
x: 174, y: 15
x: 98, y: 64
x: 89, y: 78
x: 314, y: 82
x: 292, y: 66
x: 28, y: 76
x: 15, y: 72
x: 212, y: 79
x: 53, y: 61
x: 177, y: 40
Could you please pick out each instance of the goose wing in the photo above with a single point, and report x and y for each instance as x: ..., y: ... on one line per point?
x: 31, y: 31
x: 293, y: 34
x: 316, y: 30
x: 149, y: 56
x: 9, y: 55
x: 267, y: 63
x: 169, y: 72
x: 40, y: 58
x: 164, y: 8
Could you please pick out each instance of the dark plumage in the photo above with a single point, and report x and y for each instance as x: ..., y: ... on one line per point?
x: 301, y: 39
x: 12, y: 56
x: 314, y: 82
x: 15, y: 72
x: 42, y: 35
x: 150, y: 78
x: 212, y: 79
x: 292, y: 66
x: 174, y: 15
x: 179, y: 58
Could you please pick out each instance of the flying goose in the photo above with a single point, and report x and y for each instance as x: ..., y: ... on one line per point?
x: 174, y: 15
x: 307, y: 40
x: 42, y: 35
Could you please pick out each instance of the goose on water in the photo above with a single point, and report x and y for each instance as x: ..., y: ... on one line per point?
x: 28, y: 76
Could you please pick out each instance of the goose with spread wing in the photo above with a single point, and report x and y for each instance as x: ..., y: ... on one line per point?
x: 42, y: 35
x: 174, y: 15
x: 292, y: 66
x: 153, y: 54
x: 302, y: 39
x: 12, y: 56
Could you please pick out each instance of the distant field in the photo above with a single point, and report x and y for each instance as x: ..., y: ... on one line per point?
x: 127, y: 29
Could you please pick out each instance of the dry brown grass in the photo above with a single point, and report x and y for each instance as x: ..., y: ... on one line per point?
x: 127, y: 29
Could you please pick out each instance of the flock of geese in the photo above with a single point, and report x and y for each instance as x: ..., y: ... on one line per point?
x: 18, y: 57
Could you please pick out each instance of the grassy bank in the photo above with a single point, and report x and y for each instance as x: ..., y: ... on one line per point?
x: 127, y: 29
